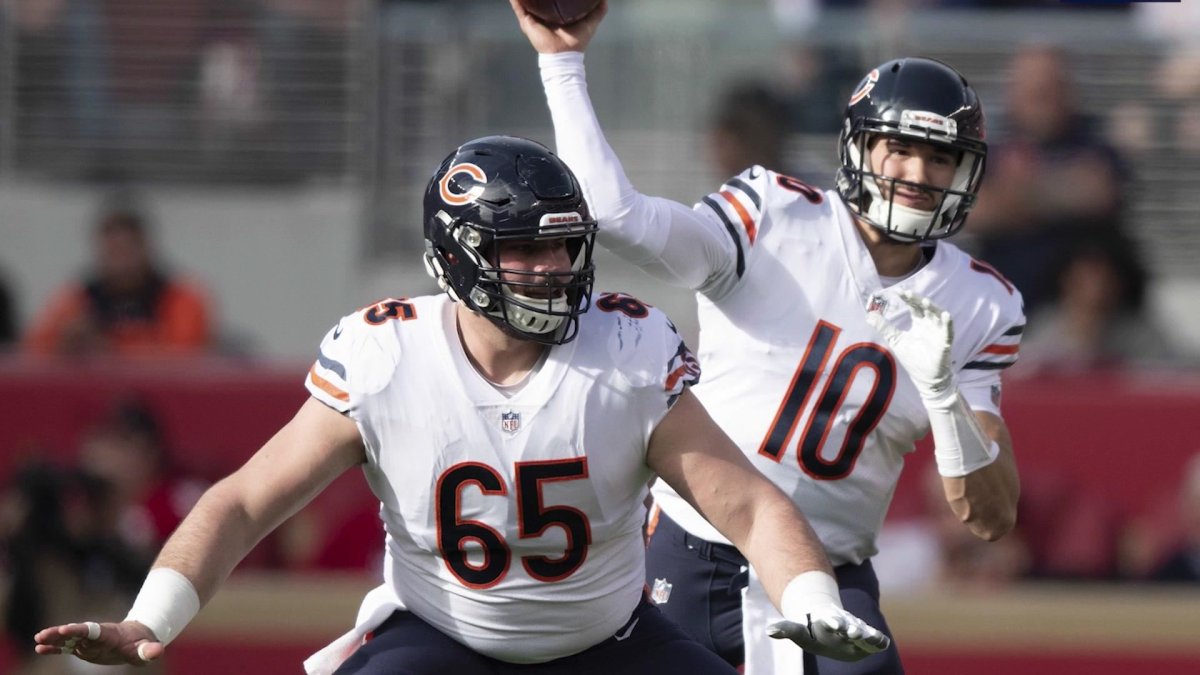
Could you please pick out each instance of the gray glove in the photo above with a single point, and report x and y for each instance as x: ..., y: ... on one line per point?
x: 836, y: 634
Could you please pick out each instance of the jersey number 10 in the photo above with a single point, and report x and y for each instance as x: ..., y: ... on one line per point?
x: 816, y: 430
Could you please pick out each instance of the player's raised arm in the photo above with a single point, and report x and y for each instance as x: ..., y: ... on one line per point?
x: 303, y: 457
x: 693, y: 455
x: 669, y: 240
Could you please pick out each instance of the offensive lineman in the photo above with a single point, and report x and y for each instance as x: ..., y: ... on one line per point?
x: 837, y: 331
x: 510, y: 438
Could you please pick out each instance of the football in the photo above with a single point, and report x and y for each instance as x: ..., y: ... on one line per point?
x: 559, y: 12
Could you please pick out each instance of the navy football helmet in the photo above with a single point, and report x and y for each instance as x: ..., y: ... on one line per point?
x: 503, y: 188
x: 914, y: 99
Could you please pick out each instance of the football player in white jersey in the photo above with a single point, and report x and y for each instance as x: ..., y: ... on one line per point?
x: 510, y: 438
x: 836, y: 330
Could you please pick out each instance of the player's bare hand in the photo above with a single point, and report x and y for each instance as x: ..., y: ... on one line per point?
x: 923, y: 349
x: 103, y: 643
x: 835, y: 633
x: 554, y: 39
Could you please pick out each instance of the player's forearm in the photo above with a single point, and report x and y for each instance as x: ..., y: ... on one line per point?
x: 194, y: 561
x: 213, y: 539
x: 778, y: 541
x: 666, y: 239
x: 985, y: 500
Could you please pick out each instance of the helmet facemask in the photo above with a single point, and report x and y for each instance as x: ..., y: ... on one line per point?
x: 538, y: 306
x: 541, y: 306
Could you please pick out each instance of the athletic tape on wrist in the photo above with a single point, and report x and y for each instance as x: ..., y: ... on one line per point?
x: 959, y: 444
x: 166, y: 603
x: 807, y: 593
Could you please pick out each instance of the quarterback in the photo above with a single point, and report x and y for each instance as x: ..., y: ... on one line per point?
x: 510, y: 435
x: 837, y: 328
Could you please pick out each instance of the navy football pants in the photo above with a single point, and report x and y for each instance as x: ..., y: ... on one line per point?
x: 706, y: 598
x: 652, y: 645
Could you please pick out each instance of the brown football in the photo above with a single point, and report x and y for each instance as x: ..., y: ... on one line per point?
x: 559, y: 12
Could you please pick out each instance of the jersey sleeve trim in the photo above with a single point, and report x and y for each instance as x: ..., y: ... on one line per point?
x: 327, y: 386
x: 737, y: 241
x: 1000, y: 353
x: 683, y: 371
x: 1001, y: 349
x: 331, y: 365
x: 747, y: 221
x: 988, y: 365
x: 748, y: 191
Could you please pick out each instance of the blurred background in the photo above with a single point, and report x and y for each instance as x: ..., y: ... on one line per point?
x: 193, y: 191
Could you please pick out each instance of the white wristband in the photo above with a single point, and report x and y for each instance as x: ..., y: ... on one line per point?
x: 807, y: 593
x: 959, y: 444
x: 166, y: 603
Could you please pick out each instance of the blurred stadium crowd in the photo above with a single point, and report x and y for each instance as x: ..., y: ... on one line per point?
x: 142, y: 122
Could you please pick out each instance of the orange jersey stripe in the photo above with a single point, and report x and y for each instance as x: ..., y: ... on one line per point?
x: 673, y: 378
x: 747, y: 221
x: 1001, y: 349
x: 327, y: 387
x: 652, y: 522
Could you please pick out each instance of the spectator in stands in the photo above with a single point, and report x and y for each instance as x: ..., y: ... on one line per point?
x: 816, y: 81
x: 152, y: 495
x: 152, y: 492
x: 127, y: 305
x: 749, y: 127
x: 1183, y: 564
x: 62, y: 556
x: 1097, y: 318
x: 1050, y: 179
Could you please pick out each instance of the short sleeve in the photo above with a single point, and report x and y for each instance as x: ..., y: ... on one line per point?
x: 356, y: 359
x: 650, y: 354
x: 738, y: 208
x: 979, y: 379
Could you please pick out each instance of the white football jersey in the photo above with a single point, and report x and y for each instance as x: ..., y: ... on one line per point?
x: 514, y: 525
x: 796, y: 376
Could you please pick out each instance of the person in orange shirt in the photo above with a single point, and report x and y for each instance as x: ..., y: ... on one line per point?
x: 127, y: 305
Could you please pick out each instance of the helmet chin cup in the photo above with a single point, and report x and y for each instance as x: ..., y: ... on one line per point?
x: 898, y: 222
x: 522, y: 315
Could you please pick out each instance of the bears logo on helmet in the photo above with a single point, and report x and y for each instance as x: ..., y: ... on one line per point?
x: 466, y: 196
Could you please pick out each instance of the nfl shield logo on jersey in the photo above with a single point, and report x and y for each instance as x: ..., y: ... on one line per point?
x: 661, y: 592
x: 510, y: 421
x: 877, y: 303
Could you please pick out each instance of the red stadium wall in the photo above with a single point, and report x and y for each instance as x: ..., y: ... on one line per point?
x: 1121, y: 436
